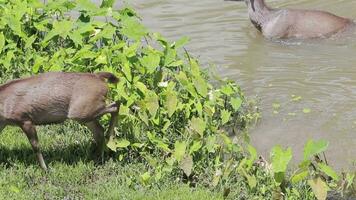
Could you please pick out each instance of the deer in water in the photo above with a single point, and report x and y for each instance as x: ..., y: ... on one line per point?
x: 295, y: 23
x: 54, y: 97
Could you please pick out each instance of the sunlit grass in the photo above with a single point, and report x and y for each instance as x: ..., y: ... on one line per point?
x: 72, y: 174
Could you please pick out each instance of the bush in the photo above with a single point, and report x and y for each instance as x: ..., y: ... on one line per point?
x: 171, y: 117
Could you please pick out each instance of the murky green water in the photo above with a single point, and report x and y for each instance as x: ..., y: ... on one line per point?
x: 322, y: 73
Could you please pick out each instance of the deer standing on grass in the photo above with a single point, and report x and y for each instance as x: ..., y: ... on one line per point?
x: 54, y: 97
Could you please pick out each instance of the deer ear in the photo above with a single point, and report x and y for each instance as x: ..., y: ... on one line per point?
x: 253, y: 5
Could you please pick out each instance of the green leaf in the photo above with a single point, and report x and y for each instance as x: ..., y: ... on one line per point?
x: 29, y: 42
x: 276, y: 106
x: 14, y: 189
x: 2, y: 41
x: 60, y: 28
x: 299, y: 177
x: 349, y: 179
x: 76, y: 38
x: 107, y: 33
x: 319, y: 187
x: 107, y: 3
x: 195, y: 68
x: 187, y: 165
x: 328, y: 171
x: 171, y: 103
x: 280, y: 159
x: 166, y: 125
x: 201, y: 86
x: 227, y: 90
x: 127, y: 71
x: 253, y: 156
x: 251, y: 180
x: 195, y: 147
x: 296, y: 98
x: 142, y: 87
x: 15, y: 25
x: 225, y: 116
x: 151, y: 101
x: 114, y: 144
x: 132, y: 29
x: 170, y: 55
x: 179, y: 150
x: 122, y: 143
x: 181, y: 42
x: 306, y: 110
x: 86, y: 5
x: 183, y: 79
x: 210, y: 143
x: 38, y: 63
x: 198, y: 125
x: 313, y: 148
x: 151, y: 62
x: 236, y: 103
x: 145, y: 177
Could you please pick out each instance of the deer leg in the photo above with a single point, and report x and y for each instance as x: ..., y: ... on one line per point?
x: 113, y: 122
x: 111, y: 108
x: 31, y: 134
x: 99, y: 140
x: 2, y: 126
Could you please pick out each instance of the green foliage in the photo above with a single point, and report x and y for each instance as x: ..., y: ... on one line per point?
x: 171, y: 118
x: 174, y: 123
x: 280, y: 160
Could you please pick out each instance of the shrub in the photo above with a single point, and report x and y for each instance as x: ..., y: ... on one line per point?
x: 171, y: 117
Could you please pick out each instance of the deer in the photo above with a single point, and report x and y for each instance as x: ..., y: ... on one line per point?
x: 53, y: 97
x: 295, y: 23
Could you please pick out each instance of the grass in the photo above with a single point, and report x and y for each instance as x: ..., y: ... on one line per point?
x: 73, y: 175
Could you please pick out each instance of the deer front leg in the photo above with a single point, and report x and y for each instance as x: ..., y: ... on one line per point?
x: 31, y: 134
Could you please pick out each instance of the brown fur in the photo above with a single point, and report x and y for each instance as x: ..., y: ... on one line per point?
x: 295, y: 23
x: 54, y: 97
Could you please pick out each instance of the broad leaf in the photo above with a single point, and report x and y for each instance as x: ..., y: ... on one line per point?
x: 151, y: 62
x: 300, y: 176
x: 236, y: 103
x: 313, y: 148
x: 187, y: 165
x: 280, y: 159
x: 328, y: 171
x: 198, y: 125
x: 319, y: 187
x: 179, y: 150
x: 151, y: 101
x: 132, y: 29
x: 225, y: 116
x: 171, y: 103
x: 2, y: 41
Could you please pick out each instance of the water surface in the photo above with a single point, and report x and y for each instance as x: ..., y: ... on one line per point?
x: 322, y: 73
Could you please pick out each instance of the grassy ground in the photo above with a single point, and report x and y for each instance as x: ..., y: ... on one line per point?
x: 72, y: 174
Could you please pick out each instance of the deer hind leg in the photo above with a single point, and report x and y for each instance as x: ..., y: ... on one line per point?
x: 111, y: 108
x: 2, y: 126
x: 99, y: 140
x: 31, y: 134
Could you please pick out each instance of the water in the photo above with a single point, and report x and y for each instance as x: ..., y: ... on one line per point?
x: 323, y: 73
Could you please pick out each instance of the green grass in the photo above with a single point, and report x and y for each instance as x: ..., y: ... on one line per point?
x: 72, y: 174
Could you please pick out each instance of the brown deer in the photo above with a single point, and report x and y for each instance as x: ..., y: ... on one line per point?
x: 54, y: 97
x: 295, y: 23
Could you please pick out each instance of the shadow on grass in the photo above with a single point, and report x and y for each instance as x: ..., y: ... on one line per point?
x: 69, y: 154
